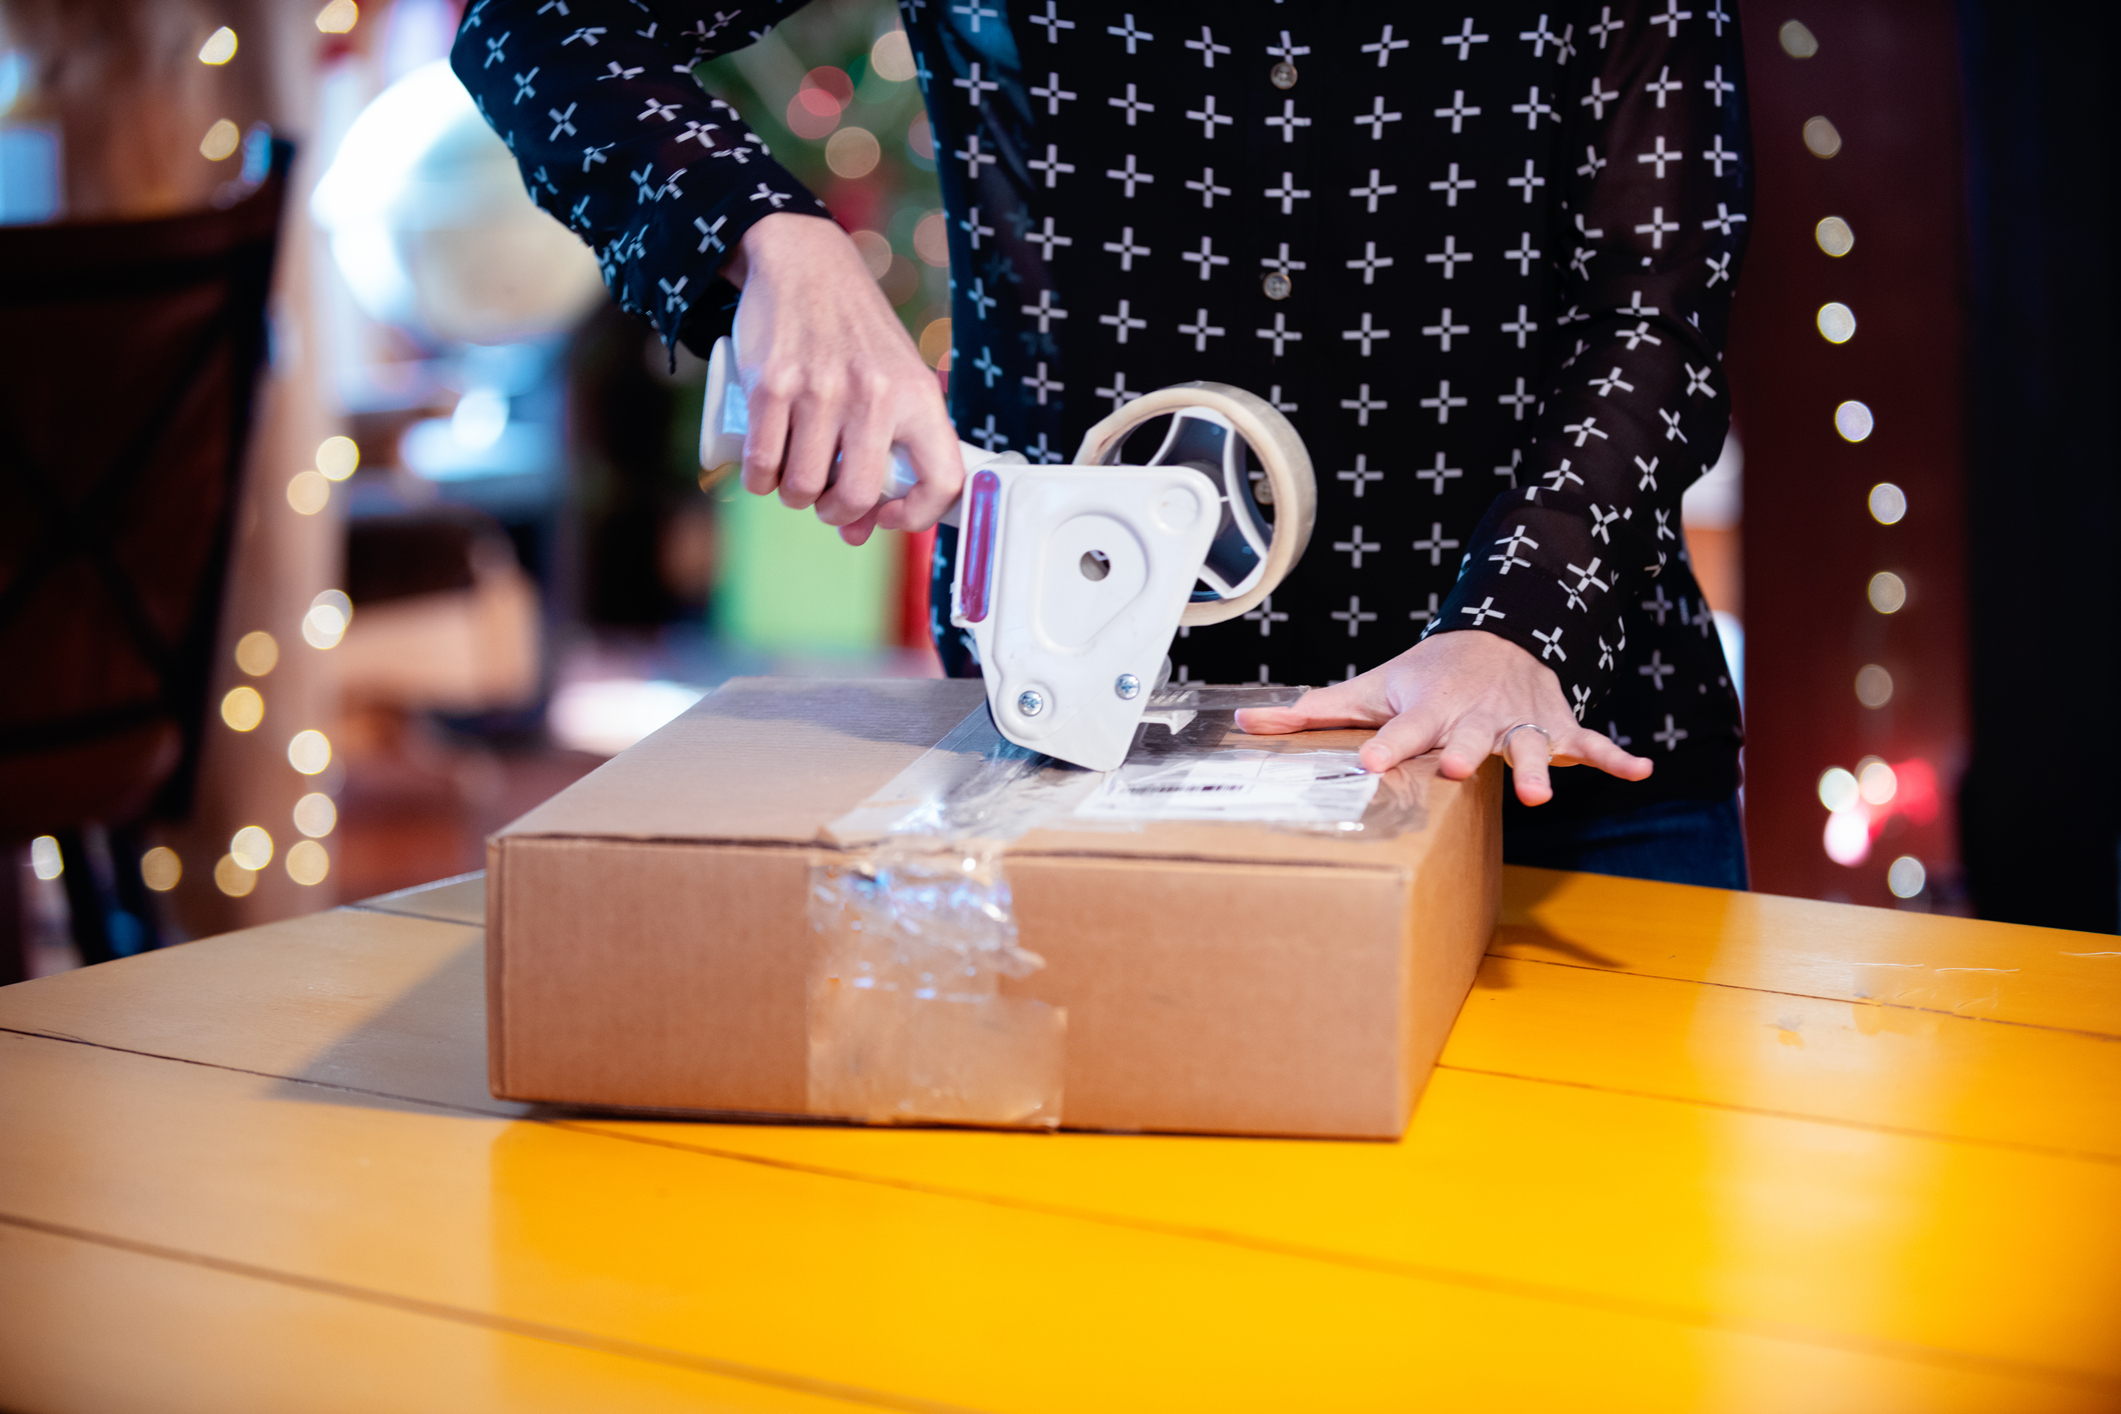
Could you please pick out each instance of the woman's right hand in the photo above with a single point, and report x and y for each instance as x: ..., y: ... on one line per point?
x: 830, y: 373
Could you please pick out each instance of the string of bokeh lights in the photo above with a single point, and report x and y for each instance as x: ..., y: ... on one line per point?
x: 1861, y: 802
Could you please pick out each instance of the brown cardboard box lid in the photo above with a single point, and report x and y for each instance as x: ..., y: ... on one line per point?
x: 777, y: 760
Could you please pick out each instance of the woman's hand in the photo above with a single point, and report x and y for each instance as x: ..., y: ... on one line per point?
x: 830, y: 374
x: 1460, y: 691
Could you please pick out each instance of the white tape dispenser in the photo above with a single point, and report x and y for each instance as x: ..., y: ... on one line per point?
x: 1074, y: 579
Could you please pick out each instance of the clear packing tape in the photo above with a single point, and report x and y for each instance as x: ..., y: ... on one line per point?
x: 907, y: 1019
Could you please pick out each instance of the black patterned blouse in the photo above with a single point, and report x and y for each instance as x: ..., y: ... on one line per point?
x: 1481, y: 255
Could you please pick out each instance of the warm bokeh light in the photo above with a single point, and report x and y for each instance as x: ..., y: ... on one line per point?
x: 45, y: 860
x: 1837, y: 788
x: 813, y: 114
x: 338, y: 457
x: 920, y: 138
x: 1876, y: 782
x: 1888, y: 592
x: 316, y: 815
x: 931, y: 239
x: 251, y: 847
x: 1848, y: 836
x: 1888, y: 503
x: 1835, y: 236
x: 232, y: 878
x: 243, y: 708
x: 220, y: 47
x: 1837, y: 322
x: 1822, y: 137
x: 338, y: 17
x: 257, y: 653
x: 891, y: 57
x: 308, y: 491
x: 1853, y: 421
x: 221, y: 141
x: 1906, y: 877
x: 308, y: 862
x: 1797, y: 41
x: 876, y: 252
x: 935, y: 341
x: 853, y: 152
x: 161, y: 869
x: 901, y: 282
x: 1874, y: 685
x: 330, y: 615
x: 309, y: 752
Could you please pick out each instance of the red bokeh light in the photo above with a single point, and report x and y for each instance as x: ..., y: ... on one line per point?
x: 833, y: 82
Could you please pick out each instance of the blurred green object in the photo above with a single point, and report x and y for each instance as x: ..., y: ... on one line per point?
x: 784, y: 582
x: 787, y: 582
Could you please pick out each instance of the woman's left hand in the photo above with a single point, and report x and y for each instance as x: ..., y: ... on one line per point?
x: 1460, y: 691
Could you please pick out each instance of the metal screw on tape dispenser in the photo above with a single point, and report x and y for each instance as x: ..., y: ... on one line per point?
x: 1128, y: 687
x: 1030, y: 703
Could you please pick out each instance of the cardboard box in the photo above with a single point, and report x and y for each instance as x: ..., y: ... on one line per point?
x: 650, y: 942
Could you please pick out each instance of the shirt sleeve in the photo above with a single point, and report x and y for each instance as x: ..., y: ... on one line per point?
x: 613, y: 135
x: 1655, y: 171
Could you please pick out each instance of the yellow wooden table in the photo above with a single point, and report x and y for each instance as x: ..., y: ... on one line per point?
x: 1686, y: 1150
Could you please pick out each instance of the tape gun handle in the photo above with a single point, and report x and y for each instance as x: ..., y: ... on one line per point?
x: 727, y: 417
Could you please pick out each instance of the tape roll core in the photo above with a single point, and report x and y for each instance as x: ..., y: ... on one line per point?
x: 1281, y: 455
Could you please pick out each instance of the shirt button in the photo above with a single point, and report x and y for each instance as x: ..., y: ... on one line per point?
x: 1276, y: 284
x: 1282, y: 75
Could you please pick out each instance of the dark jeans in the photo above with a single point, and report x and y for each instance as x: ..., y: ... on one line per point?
x: 1678, y: 841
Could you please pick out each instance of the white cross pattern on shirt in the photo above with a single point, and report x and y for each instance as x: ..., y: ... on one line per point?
x: 1280, y: 333
x: 1519, y: 400
x: 1656, y: 228
x: 1435, y: 544
x: 1202, y: 331
x: 1355, y: 547
x: 1355, y: 615
x: 1129, y: 175
x: 1129, y: 32
x: 1672, y: 16
x: 1119, y: 392
x: 1208, y: 47
x: 1207, y: 117
x: 1648, y: 481
x: 1207, y: 188
x: 1287, y: 51
x: 1439, y: 474
x: 1508, y: 558
x: 1725, y: 219
x: 1529, y: 180
x: 1287, y: 193
x: 1450, y: 257
x: 562, y: 122
x: 1458, y: 112
x: 1051, y: 165
x: 1124, y: 247
x: 1055, y: 95
x: 987, y: 437
x: 1288, y: 122
x: 1660, y: 155
x: 1602, y: 522
x: 1657, y: 669
x: 1282, y: 261
x: 1465, y: 39
x: 974, y: 85
x: 1561, y: 476
x: 1042, y: 385
x: 1132, y: 106
x: 1607, y: 25
x: 1362, y: 405
x: 1443, y: 402
x: 1361, y: 474
x: 1607, y: 384
x: 1045, y: 311
x: 986, y: 367
x: 973, y: 157
x: 1720, y: 88
x: 1266, y: 615
x: 1370, y: 263
x: 1052, y: 23
x: 1484, y: 611
x: 1384, y: 46
x: 1444, y: 329
x: 1365, y: 334
x: 1122, y: 321
x: 975, y: 12
x: 1524, y: 255
x: 1452, y: 185
x: 1671, y: 426
x: 1205, y: 257
x: 1663, y: 84
x: 1553, y: 644
x: 1532, y: 108
x: 1697, y: 380
x: 1596, y: 102
x: 1672, y: 734
x: 1047, y: 239
x: 1638, y: 335
x: 1522, y: 326
x: 981, y: 300
x: 1719, y: 154
x: 1376, y: 119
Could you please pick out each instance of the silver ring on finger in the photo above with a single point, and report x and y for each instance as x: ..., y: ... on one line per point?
x: 1502, y: 748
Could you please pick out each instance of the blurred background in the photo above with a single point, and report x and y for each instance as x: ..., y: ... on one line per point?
x: 312, y: 642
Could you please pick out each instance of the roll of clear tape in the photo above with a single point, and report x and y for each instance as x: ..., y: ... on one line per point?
x: 1280, y: 451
